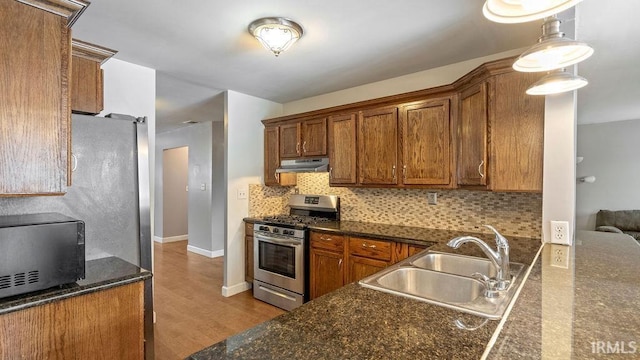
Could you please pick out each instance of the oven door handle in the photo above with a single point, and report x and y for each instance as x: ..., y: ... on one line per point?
x: 276, y: 240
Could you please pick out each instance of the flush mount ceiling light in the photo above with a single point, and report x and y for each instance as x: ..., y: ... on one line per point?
x: 276, y: 33
x: 556, y: 82
x: 553, y: 50
x: 518, y: 11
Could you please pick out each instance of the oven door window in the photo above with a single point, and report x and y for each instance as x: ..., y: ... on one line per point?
x: 279, y: 259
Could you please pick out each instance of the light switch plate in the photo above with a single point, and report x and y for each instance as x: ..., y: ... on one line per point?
x: 242, y: 194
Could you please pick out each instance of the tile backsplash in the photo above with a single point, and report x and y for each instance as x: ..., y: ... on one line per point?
x: 517, y: 214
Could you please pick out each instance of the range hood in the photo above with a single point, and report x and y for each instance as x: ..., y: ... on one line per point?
x: 304, y: 165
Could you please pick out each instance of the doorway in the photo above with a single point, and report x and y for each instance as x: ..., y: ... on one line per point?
x: 175, y: 205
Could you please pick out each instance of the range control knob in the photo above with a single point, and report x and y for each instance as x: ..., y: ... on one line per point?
x: 287, y: 232
x: 263, y: 228
x: 275, y: 230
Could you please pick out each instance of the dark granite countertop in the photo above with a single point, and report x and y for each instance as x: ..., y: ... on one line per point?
x: 589, y: 310
x: 101, y: 274
x: 358, y: 323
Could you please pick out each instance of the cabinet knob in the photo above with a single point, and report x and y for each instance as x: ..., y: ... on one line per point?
x: 480, y: 169
x: 298, y: 148
x: 404, y: 172
x: 393, y: 172
x: 304, y: 147
x: 275, y: 175
x: 330, y: 173
x: 364, y: 245
x: 340, y: 263
x: 325, y: 238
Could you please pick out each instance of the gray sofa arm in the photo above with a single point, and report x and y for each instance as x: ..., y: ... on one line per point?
x: 611, y: 229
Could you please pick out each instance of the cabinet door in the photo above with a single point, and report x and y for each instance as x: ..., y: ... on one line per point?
x: 86, y: 86
x: 314, y: 137
x: 272, y: 160
x: 35, y: 139
x: 516, y: 130
x: 426, y: 150
x: 378, y: 146
x: 472, y: 136
x: 290, y: 147
x: 327, y: 272
x: 360, y: 267
x: 248, y: 260
x: 342, y: 149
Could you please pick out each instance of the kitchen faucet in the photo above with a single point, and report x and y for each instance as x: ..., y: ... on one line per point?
x: 499, y: 258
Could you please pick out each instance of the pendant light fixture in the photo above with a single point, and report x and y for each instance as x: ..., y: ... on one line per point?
x: 519, y: 11
x: 276, y: 33
x: 553, y: 50
x: 557, y: 82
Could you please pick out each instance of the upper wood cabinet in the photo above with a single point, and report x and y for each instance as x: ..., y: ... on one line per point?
x: 87, y: 77
x: 516, y: 132
x: 35, y: 139
x: 472, y: 136
x: 307, y: 138
x: 272, y: 159
x: 342, y: 149
x: 378, y: 146
x: 425, y: 142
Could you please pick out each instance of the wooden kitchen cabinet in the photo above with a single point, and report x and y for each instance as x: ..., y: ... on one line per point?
x: 516, y: 133
x: 326, y: 263
x: 35, y: 129
x: 272, y: 159
x: 87, y: 77
x: 378, y: 146
x: 360, y: 267
x: 425, y: 131
x: 307, y: 138
x: 342, y: 149
x: 368, y: 256
x: 248, y: 255
x: 472, y: 136
x: 97, y: 325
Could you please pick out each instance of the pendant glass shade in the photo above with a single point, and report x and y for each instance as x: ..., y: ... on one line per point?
x: 553, y: 50
x: 557, y: 82
x: 276, y: 34
x: 519, y: 11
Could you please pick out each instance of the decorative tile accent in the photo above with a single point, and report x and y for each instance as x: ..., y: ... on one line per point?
x: 517, y: 214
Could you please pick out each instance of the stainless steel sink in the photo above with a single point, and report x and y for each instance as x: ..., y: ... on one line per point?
x: 458, y: 264
x: 433, y: 285
x: 445, y: 280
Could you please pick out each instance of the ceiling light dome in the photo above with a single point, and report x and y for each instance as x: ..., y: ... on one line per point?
x: 518, y: 11
x: 557, y: 82
x: 276, y: 33
x: 553, y: 50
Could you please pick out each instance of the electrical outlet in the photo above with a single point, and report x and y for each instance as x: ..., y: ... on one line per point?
x: 560, y: 232
x: 432, y: 198
x: 560, y: 256
x: 242, y: 194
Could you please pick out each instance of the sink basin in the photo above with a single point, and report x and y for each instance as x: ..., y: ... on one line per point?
x: 459, y: 264
x: 433, y: 285
x: 444, y: 279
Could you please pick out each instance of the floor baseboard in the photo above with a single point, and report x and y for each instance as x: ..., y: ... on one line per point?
x: 168, y: 239
x: 235, y: 289
x: 203, y: 252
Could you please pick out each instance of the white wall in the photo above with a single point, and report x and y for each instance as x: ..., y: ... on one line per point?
x: 131, y: 89
x: 443, y: 75
x: 611, y: 154
x: 244, y: 163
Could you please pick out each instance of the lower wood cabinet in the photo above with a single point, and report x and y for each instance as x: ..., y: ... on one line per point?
x: 105, y: 324
x: 248, y: 245
x: 336, y: 259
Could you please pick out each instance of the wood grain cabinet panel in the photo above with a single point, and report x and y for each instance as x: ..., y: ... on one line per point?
x: 87, y: 76
x: 472, y: 136
x: 516, y: 132
x: 326, y: 241
x: 361, y: 267
x: 378, y: 146
x: 342, y: 149
x: 327, y: 272
x: 314, y: 137
x: 425, y: 142
x: 35, y: 54
x: 105, y: 324
x: 272, y: 159
x: 248, y: 256
x: 374, y: 249
x: 290, y: 147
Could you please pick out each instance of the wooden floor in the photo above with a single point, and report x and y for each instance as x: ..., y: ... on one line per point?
x: 191, y: 313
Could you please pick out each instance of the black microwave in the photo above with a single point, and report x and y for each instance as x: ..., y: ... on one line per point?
x: 39, y: 251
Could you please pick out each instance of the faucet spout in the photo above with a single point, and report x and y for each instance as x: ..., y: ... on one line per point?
x: 499, y: 258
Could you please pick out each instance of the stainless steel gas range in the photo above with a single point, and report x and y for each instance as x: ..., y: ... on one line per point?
x: 281, y: 249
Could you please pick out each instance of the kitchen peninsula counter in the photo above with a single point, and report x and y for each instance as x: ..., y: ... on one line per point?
x: 101, y: 274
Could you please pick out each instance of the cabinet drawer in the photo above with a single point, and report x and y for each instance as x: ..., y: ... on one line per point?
x: 331, y: 242
x: 374, y: 249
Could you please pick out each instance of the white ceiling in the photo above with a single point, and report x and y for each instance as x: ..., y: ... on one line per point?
x: 201, y: 48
